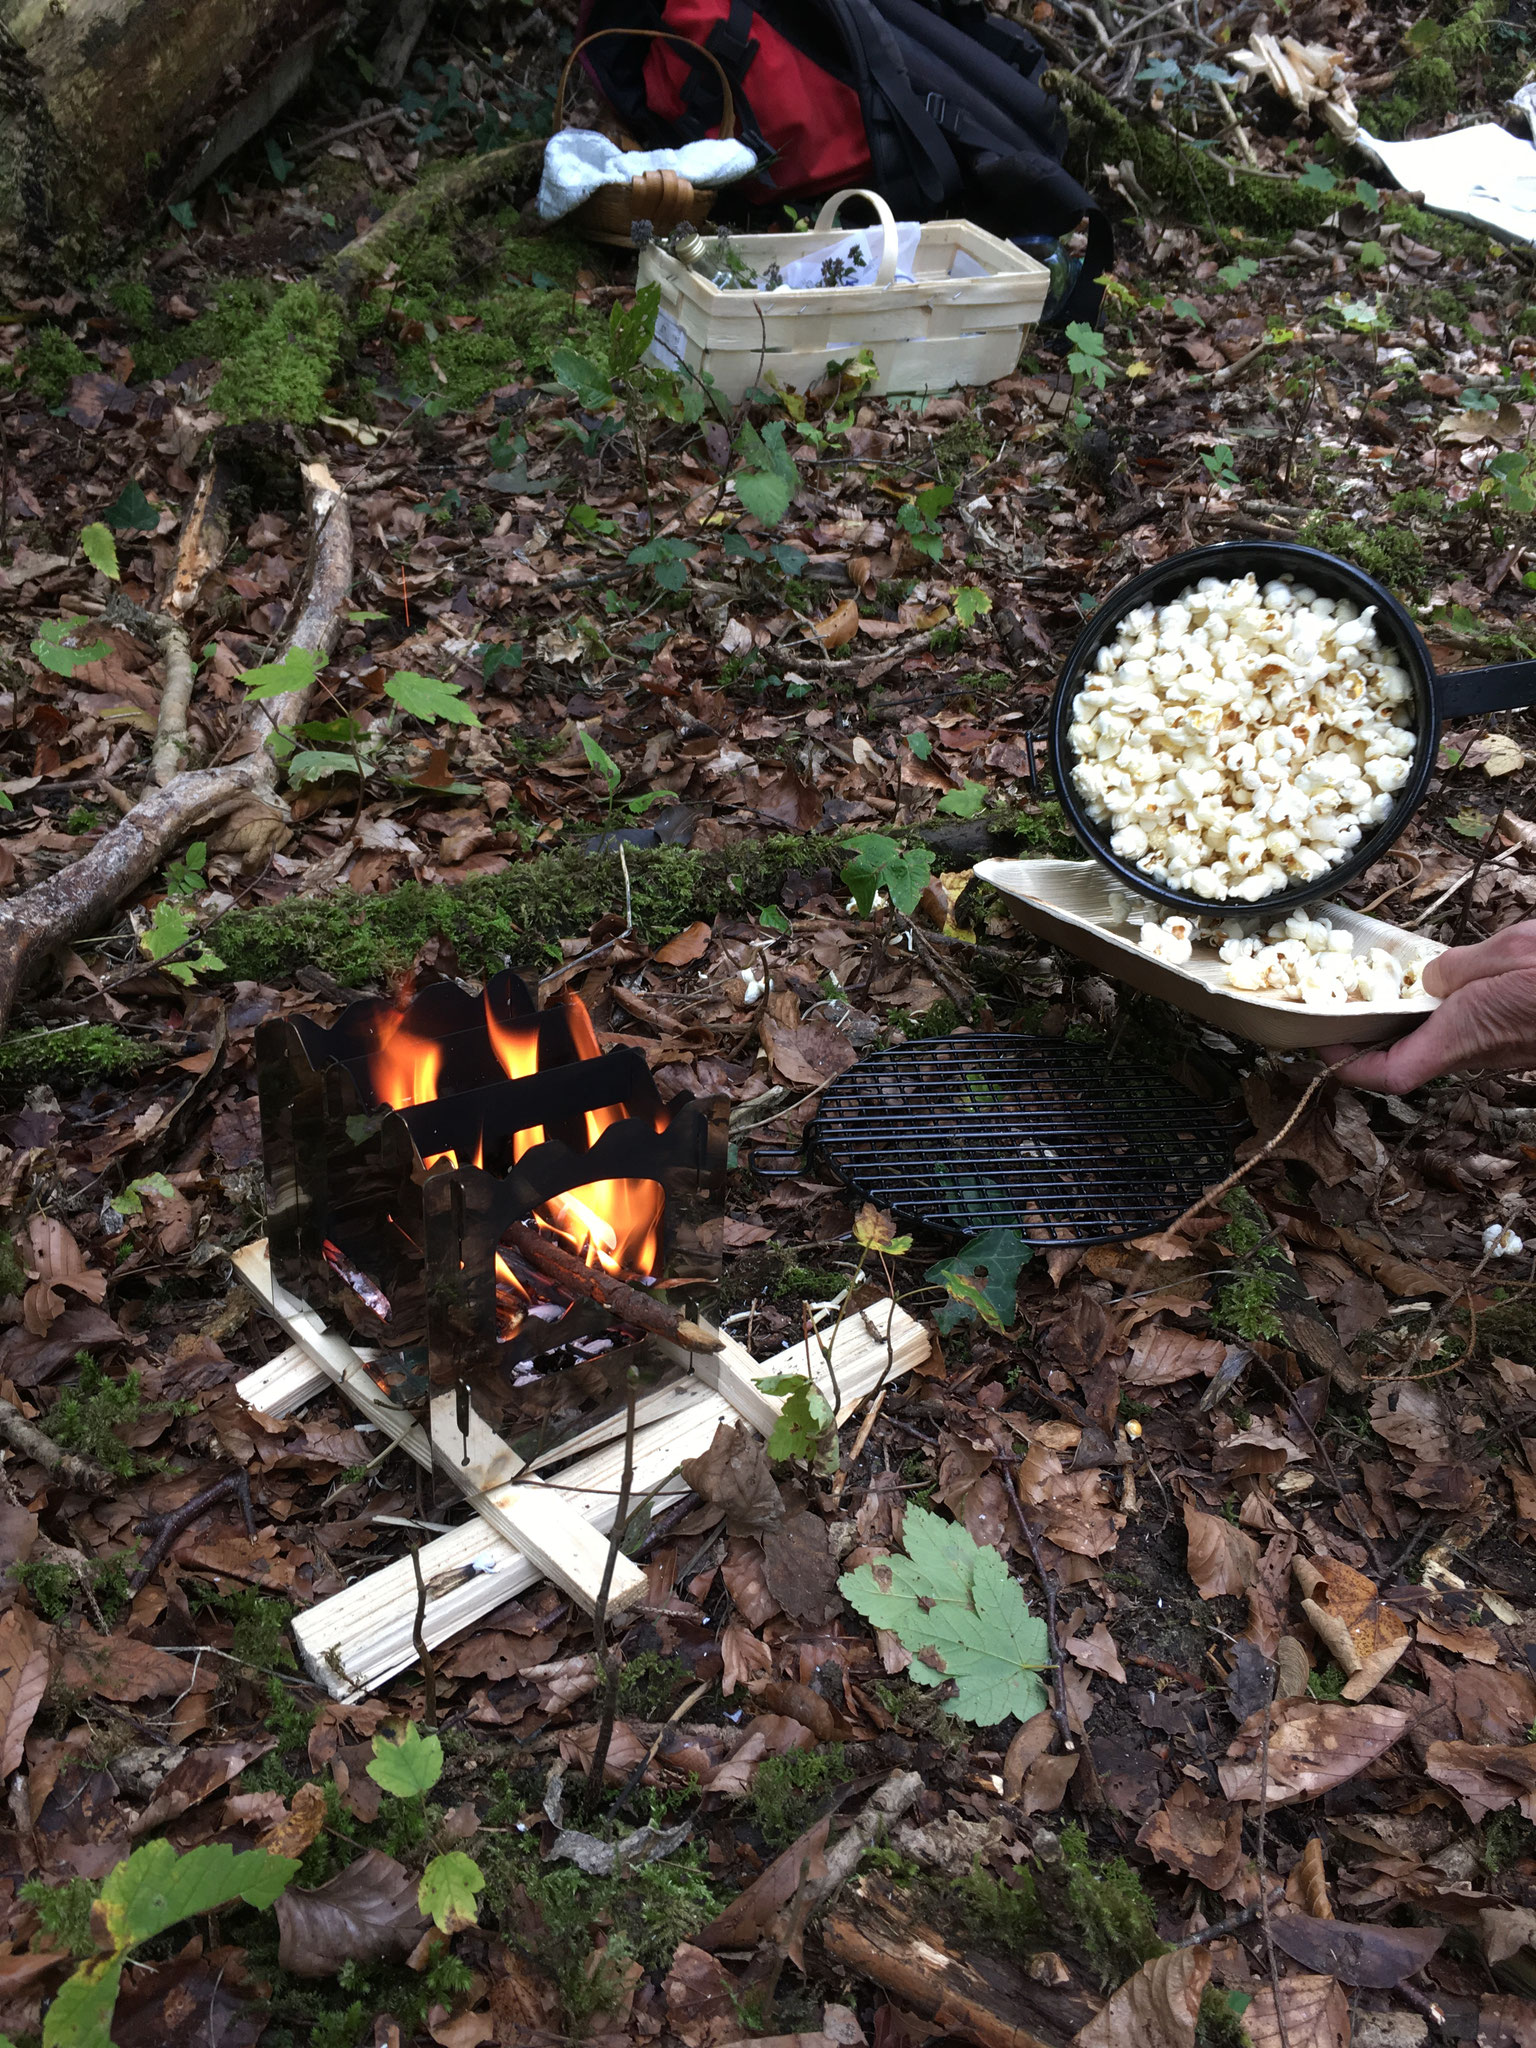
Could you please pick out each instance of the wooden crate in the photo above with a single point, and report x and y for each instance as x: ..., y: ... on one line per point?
x: 962, y: 320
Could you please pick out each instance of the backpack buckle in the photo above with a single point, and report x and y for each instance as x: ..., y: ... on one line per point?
x: 937, y: 109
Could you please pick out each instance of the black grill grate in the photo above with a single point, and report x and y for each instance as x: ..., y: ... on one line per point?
x: 1036, y: 1135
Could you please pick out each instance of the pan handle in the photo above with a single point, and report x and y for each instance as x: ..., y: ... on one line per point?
x: 1511, y: 686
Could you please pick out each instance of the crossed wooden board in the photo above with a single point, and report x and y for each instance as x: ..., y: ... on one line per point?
x: 525, y: 1526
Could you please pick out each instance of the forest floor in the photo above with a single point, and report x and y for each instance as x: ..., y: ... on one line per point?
x: 1320, y: 1392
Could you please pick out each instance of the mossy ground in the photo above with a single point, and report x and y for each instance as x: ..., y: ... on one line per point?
x: 72, y: 1058
x: 1394, y: 555
x: 505, y: 918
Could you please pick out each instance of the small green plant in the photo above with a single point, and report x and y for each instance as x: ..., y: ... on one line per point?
x: 86, y: 1416
x: 408, y: 1768
x: 144, y: 1896
x: 168, y: 941
x: 767, y: 481
x: 879, y: 863
x: 1007, y: 1916
x: 188, y: 876
x: 919, y: 519
x: 806, y: 1428
x: 968, y: 801
x: 1109, y: 1909
x: 971, y: 604
x: 1238, y: 272
x: 1089, y: 357
x: 1327, y: 1684
x: 1220, y: 466
x: 64, y: 1911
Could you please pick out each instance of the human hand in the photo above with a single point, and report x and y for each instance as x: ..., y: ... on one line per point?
x: 1487, y: 1018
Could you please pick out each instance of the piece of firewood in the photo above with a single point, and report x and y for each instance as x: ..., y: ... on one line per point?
x: 632, y: 1304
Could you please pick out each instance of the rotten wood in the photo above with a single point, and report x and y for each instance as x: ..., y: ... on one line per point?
x: 981, y: 1999
x: 632, y: 1304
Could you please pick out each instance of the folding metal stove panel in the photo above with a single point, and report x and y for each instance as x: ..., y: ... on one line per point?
x: 394, y: 1221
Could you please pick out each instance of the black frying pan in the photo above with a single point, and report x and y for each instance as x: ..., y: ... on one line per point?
x: 1466, y: 694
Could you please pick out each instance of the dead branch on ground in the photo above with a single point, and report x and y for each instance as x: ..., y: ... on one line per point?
x: 80, y: 898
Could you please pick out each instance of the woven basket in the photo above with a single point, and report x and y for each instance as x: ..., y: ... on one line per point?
x: 661, y: 197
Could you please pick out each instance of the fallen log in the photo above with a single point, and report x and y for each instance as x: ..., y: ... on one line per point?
x: 989, y: 2002
x: 82, y: 897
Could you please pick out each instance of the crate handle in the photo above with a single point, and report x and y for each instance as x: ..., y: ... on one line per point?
x: 827, y: 218
x: 727, y: 103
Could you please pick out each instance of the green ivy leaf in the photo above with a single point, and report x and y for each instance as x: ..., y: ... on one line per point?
x: 1470, y: 824
x: 971, y: 604
x: 920, y: 744
x: 131, y: 512
x: 774, y: 918
x: 430, y: 699
x: 952, y: 1603
x: 410, y: 1767
x: 981, y: 1280
x: 1317, y: 178
x: 448, y: 1891
x: 296, y: 671
x: 964, y: 802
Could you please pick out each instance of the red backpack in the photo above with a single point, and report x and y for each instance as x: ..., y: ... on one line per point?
x: 933, y: 103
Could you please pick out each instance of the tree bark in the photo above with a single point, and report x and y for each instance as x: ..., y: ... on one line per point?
x: 93, y: 93
x: 79, y: 898
x: 990, y: 2003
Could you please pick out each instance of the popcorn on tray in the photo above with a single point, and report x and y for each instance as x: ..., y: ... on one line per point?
x: 1303, y: 959
x: 1241, y: 741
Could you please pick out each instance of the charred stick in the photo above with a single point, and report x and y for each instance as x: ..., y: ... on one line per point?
x: 168, y: 1527
x: 631, y: 1304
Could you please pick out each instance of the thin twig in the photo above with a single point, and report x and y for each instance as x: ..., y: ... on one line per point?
x: 419, y: 1642
x: 1264, y: 1919
x: 1232, y: 1922
x: 233, y: 1486
x: 27, y: 1438
x: 609, y: 1659
x: 1053, y: 1647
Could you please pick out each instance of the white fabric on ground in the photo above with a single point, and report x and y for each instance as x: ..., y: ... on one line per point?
x: 1483, y: 175
x: 579, y: 162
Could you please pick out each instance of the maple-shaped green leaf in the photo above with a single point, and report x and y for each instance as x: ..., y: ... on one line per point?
x: 101, y: 550
x: 430, y: 699
x: 965, y: 802
x: 296, y: 671
x: 951, y: 1602
x: 970, y: 604
x: 447, y: 1893
x: 409, y: 1767
x: 55, y: 646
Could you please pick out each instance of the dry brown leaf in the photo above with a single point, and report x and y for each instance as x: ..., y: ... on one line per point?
x: 756, y: 1912
x: 1313, y: 1744
x: 1379, y: 1958
x: 806, y: 1054
x: 1366, y: 1637
x: 1157, y: 2008
x: 1198, y: 1836
x: 300, y: 1826
x: 1033, y: 1739
x: 119, y: 1667
x: 58, y: 1262
x: 1464, y: 1638
x: 1307, y: 1885
x: 1395, y: 1274
x: 1410, y: 1417
x: 1223, y: 1559
x: 839, y: 626
x: 688, y: 946
x: 1097, y: 1652
x: 743, y: 1656
x: 733, y: 1475
x: 1315, y: 2010
x: 1160, y: 1356
x: 25, y: 1644
x: 1046, y: 1781
x: 1485, y: 1776
x: 366, y: 1913
x: 200, y: 1773
x: 746, y: 1582
x: 799, y: 1569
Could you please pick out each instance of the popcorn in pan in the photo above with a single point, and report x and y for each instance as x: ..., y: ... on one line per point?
x: 1239, y: 741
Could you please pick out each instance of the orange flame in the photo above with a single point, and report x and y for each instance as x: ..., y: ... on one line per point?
x: 403, y: 1069
x: 615, y: 1224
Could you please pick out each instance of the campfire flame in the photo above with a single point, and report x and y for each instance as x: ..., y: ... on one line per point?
x: 615, y: 1224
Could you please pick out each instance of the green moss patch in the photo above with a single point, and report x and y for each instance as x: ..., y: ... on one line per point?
x: 497, y: 919
x: 1394, y: 555
x: 72, y: 1058
x: 49, y: 360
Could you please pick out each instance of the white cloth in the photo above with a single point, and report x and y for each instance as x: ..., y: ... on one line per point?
x: 1483, y: 175
x: 579, y: 162
x: 862, y: 250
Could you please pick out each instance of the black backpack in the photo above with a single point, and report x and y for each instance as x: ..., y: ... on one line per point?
x: 933, y: 103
